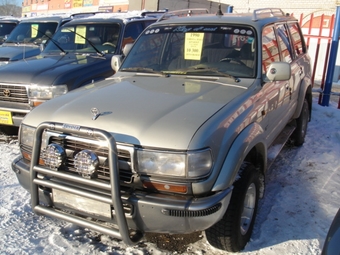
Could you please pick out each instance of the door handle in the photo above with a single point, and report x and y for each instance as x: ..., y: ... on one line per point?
x: 301, y: 71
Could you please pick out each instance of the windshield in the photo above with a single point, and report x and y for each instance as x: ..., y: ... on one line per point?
x: 35, y: 33
x: 87, y: 38
x: 212, y: 50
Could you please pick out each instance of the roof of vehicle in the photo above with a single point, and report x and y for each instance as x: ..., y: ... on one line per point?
x: 257, y: 18
x: 52, y: 18
x: 125, y: 17
x: 9, y: 19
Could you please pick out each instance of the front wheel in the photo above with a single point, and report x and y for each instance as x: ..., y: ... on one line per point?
x: 233, y: 231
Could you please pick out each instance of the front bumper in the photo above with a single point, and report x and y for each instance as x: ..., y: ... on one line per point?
x: 17, y: 114
x: 148, y: 212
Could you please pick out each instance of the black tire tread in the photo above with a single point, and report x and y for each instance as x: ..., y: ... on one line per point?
x: 298, y: 138
x: 225, y: 234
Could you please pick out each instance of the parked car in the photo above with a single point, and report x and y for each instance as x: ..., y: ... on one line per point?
x: 332, y: 242
x: 180, y: 138
x: 78, y: 54
x: 7, y: 24
x: 25, y: 39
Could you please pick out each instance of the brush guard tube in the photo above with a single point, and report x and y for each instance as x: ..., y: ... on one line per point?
x: 122, y: 232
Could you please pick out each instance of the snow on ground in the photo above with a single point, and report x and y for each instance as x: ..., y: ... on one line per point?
x: 301, y: 198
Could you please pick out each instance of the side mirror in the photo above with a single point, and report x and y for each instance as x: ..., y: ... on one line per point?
x: 278, y: 71
x: 116, y: 61
x: 127, y: 48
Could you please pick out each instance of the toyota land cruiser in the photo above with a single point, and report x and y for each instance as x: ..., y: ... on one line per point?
x: 180, y: 138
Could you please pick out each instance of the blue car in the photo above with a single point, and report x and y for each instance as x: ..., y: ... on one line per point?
x: 332, y: 242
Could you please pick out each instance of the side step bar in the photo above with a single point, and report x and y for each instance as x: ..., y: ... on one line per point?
x: 122, y: 232
x: 277, y: 145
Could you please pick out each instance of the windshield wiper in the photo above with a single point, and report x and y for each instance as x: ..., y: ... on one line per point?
x: 63, y: 52
x: 144, y: 69
x: 204, y: 69
x: 100, y: 53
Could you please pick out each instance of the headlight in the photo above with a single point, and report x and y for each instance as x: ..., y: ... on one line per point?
x: 26, y: 136
x: 190, y: 164
x: 46, y: 92
x: 3, y: 63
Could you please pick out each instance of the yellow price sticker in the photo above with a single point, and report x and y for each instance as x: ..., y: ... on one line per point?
x: 34, y: 30
x: 193, y: 46
x: 80, y: 35
x: 6, y: 118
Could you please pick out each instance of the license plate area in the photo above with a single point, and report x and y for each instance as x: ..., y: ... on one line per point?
x: 6, y: 118
x: 81, y: 204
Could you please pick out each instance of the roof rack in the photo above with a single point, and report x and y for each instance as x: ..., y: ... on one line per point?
x: 152, y: 13
x: 79, y: 15
x: 125, y: 15
x: 267, y: 12
x: 183, y: 13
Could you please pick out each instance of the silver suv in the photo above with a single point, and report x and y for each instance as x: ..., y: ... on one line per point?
x: 180, y: 138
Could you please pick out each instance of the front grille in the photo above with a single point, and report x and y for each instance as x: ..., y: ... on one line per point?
x: 13, y: 93
x: 74, y: 146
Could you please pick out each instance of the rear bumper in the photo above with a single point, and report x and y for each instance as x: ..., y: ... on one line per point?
x: 148, y: 212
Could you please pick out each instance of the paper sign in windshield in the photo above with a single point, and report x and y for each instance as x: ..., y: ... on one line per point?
x: 193, y: 46
x: 80, y: 35
x: 34, y: 30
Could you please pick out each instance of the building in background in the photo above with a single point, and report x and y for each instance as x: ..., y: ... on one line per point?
x: 41, y: 7
x: 44, y: 7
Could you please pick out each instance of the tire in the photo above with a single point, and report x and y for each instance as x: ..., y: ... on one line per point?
x: 234, y: 230
x: 299, y: 133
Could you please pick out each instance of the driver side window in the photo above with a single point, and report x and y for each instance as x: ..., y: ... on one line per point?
x: 270, y: 50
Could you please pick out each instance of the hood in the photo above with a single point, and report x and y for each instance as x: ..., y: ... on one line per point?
x: 148, y: 111
x: 19, y: 52
x: 53, y: 70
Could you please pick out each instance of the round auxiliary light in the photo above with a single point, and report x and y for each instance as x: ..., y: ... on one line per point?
x: 53, y: 155
x: 86, y: 163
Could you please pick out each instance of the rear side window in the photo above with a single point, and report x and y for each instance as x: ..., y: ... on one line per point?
x: 270, y: 50
x: 297, y: 39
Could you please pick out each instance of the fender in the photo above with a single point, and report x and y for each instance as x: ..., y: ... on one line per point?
x: 250, y: 137
x: 304, y: 92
